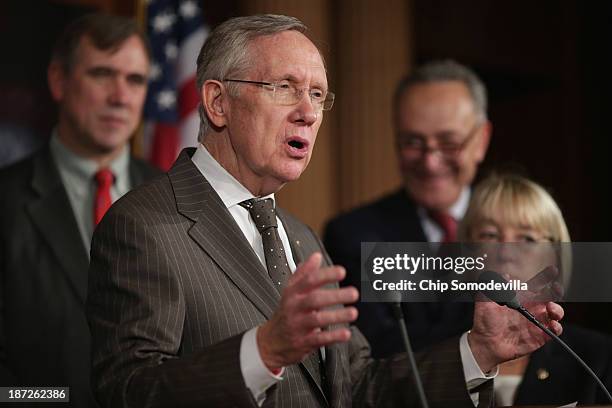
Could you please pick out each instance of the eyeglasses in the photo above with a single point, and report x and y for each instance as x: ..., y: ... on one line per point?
x: 285, y: 93
x: 416, y: 146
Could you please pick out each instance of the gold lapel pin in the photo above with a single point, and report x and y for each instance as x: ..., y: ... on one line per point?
x: 542, y: 374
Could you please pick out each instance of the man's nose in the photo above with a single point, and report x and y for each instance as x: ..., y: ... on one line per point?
x: 432, y: 159
x: 119, y: 93
x: 306, y: 112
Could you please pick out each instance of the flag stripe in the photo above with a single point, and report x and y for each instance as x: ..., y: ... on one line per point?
x: 165, y: 145
x: 188, y: 98
x: 188, y: 54
x: 177, y: 32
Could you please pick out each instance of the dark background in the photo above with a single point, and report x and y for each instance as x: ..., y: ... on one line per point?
x: 546, y: 65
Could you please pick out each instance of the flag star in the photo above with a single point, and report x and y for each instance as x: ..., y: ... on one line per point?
x: 188, y: 9
x: 163, y: 22
x: 155, y: 72
x: 166, y: 99
x: 171, y: 50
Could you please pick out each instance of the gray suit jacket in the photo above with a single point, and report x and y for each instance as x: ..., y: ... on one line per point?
x: 174, y: 285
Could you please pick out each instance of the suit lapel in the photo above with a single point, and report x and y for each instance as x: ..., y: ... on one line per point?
x: 216, y: 232
x: 294, y: 239
x: 403, y: 215
x: 542, y: 373
x: 52, y: 214
x: 301, y: 250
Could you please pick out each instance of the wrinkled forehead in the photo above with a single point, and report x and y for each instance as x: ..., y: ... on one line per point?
x: 287, y: 55
x: 439, y: 104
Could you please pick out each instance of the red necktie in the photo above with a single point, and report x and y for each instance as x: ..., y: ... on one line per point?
x: 447, y: 223
x: 105, y: 179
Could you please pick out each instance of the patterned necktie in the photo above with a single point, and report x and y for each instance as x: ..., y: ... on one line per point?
x: 102, y: 202
x: 447, y: 223
x: 263, y: 215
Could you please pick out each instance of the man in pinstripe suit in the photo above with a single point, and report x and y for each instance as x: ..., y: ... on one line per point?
x: 181, y: 304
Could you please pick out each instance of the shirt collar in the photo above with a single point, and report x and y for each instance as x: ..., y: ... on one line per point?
x: 230, y: 190
x: 84, y: 169
x: 457, y: 210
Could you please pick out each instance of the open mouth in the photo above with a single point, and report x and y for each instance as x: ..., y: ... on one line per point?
x: 297, y: 147
x: 296, y: 144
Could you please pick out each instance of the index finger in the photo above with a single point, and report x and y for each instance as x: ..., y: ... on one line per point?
x: 555, y: 311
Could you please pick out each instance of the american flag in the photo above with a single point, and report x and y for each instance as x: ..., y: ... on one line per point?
x: 176, y: 31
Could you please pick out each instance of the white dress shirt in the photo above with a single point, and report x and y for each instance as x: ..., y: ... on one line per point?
x: 472, y: 372
x: 505, y: 388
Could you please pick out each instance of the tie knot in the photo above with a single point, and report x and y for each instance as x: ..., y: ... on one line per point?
x: 448, y: 224
x: 104, y: 177
x: 262, y: 212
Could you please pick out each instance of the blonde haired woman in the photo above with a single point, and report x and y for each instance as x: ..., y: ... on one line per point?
x: 508, y: 208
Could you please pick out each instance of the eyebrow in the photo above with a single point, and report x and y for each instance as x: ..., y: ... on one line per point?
x: 525, y: 228
x: 108, y: 69
x: 294, y: 79
x: 101, y: 68
x: 486, y: 224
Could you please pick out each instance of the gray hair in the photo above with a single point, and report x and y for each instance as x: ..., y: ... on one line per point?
x: 440, y: 71
x: 226, y: 51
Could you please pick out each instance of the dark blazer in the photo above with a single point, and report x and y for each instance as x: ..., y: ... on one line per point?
x: 173, y: 287
x: 564, y: 380
x: 44, y: 338
x: 393, y: 218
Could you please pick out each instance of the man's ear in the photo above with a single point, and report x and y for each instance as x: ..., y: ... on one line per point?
x: 213, y: 101
x: 56, y: 78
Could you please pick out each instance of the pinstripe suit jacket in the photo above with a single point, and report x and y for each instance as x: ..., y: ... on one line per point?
x: 174, y: 285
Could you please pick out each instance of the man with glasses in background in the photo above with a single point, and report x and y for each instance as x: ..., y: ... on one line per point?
x: 442, y: 135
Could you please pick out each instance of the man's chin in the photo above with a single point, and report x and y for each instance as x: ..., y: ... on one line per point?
x: 292, y: 170
x: 439, y: 198
x: 111, y: 142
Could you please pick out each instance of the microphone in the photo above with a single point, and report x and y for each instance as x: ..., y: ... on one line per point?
x: 503, y: 297
x: 507, y: 297
x: 398, y: 313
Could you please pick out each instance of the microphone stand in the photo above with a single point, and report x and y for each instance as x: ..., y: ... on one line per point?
x: 399, y: 316
x: 508, y: 298
x: 521, y: 309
